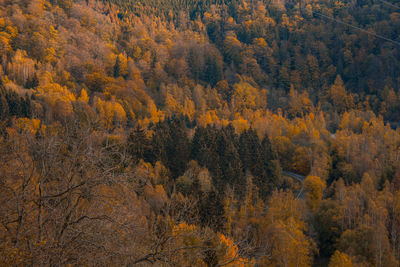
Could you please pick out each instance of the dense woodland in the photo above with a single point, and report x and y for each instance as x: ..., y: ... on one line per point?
x: 160, y: 133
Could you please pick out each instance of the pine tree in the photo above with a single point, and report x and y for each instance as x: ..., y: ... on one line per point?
x: 117, y: 67
x: 271, y: 165
x: 171, y: 145
x: 229, y: 159
x: 4, y: 110
x: 15, y: 103
x: 251, y: 155
x: 139, y: 146
x: 32, y: 82
x: 27, y: 107
x: 204, y: 149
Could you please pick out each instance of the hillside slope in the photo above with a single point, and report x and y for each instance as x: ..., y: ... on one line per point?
x: 162, y: 132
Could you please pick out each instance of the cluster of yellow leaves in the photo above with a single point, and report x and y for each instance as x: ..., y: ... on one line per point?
x: 7, y: 34
x: 57, y: 97
x: 83, y: 96
x: 31, y: 126
x: 153, y: 115
x: 314, y: 188
x: 340, y: 99
x: 340, y: 259
x: 364, y: 211
x: 289, y: 246
x: 244, y: 96
x: 365, y: 142
x: 230, y: 256
x: 288, y: 23
x: 211, y: 117
x: 56, y: 92
x: 240, y: 124
x: 299, y: 103
x: 111, y: 112
x: 192, y: 242
x: 21, y: 68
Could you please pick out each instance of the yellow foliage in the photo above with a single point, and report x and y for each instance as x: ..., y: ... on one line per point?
x: 248, y: 23
x: 210, y: 117
x: 230, y: 256
x: 45, y: 78
x: 54, y: 90
x: 192, y: 237
x: 58, y: 97
x: 5, y: 45
x: 244, y: 96
x: 183, y: 228
x: 351, y: 121
x: 112, y: 48
x: 282, y: 207
x: 207, y: 15
x: 288, y: 245
x: 155, y: 114
x: 12, y: 31
x: 187, y: 236
x: 31, y: 126
x: 112, y: 113
x: 172, y: 105
x: 341, y: 100
x: 302, y: 159
x: 270, y: 21
x: 189, y: 108
x: 84, y: 96
x: 260, y: 42
x: 53, y: 33
x: 155, y: 196
x: 21, y: 68
x: 240, y: 124
x: 340, y: 259
x: 123, y: 64
x: 299, y: 103
x: 50, y: 55
x: 286, y: 22
x: 314, y: 187
x: 231, y: 42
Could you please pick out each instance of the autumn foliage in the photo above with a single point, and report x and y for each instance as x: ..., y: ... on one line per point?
x: 199, y: 133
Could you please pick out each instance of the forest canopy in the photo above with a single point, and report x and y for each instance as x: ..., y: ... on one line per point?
x: 199, y: 133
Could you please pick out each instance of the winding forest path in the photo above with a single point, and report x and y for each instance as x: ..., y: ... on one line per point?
x: 299, y: 178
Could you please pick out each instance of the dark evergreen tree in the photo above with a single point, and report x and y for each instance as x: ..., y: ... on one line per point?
x: 215, y: 33
x: 251, y: 155
x: 204, y: 149
x: 171, y: 145
x: 139, y: 146
x: 229, y: 159
x: 271, y: 165
x: 4, y: 110
x: 14, y: 103
x: 249, y: 149
x: 327, y: 227
x: 27, y: 107
x: 213, y: 67
x: 159, y: 142
x: 117, y: 67
x: 11, y: 104
x: 32, y: 82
